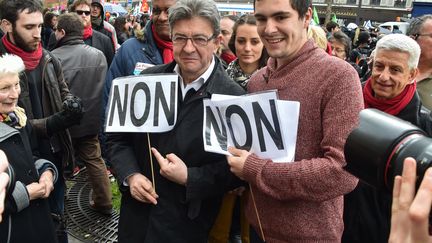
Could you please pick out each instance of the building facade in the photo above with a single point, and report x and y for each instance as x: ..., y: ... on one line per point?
x: 355, y: 10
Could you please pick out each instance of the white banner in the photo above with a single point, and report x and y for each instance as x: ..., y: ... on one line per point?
x: 251, y: 122
x: 145, y: 103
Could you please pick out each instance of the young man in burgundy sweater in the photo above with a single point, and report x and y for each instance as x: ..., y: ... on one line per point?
x: 301, y: 201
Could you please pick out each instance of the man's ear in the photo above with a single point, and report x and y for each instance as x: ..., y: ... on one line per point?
x: 6, y: 25
x: 413, y: 74
x: 308, y: 17
x: 61, y: 34
x: 217, y: 41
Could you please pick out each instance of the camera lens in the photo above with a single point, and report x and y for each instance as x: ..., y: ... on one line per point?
x: 417, y: 146
x: 375, y: 151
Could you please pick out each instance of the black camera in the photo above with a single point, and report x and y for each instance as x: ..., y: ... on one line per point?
x: 73, y: 105
x: 375, y: 151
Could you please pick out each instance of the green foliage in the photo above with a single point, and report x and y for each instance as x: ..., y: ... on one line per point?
x: 116, y: 195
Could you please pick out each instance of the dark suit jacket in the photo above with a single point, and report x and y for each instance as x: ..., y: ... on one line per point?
x: 183, y: 213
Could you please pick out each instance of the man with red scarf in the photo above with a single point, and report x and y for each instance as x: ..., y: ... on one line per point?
x: 391, y: 89
x: 227, y: 23
x: 151, y: 46
x: 93, y: 38
x: 44, y: 93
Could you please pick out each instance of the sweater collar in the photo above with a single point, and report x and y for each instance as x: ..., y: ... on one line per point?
x: 300, y: 56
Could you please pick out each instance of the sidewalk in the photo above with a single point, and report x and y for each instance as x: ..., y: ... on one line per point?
x: 72, y: 239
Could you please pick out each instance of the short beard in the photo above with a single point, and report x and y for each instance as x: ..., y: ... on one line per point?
x: 19, y: 42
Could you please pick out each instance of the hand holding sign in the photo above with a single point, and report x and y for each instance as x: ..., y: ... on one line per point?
x: 251, y: 122
x: 237, y: 160
x: 142, y: 189
x: 145, y: 103
x: 172, y: 167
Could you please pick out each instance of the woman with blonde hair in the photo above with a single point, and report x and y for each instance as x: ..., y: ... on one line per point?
x: 319, y: 36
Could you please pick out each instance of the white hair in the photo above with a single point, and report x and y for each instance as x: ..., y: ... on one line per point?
x: 402, y: 43
x: 11, y: 64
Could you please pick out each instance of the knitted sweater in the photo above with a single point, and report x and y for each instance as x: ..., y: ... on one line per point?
x: 302, y: 201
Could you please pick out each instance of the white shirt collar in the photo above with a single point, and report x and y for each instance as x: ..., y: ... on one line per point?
x: 197, y: 83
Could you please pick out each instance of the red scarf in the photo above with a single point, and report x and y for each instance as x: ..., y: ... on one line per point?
x: 329, y: 49
x: 228, y: 57
x: 392, y: 106
x: 31, y: 59
x: 166, y: 46
x: 88, y: 32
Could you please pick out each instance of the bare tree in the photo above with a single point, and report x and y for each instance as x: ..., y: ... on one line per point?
x: 328, y: 11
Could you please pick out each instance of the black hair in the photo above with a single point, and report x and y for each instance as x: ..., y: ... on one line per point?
x: 48, y: 19
x: 71, y: 23
x: 344, y: 39
x: 234, y: 18
x: 301, y: 6
x: 331, y: 25
x: 10, y: 9
x: 76, y: 3
x: 119, y: 23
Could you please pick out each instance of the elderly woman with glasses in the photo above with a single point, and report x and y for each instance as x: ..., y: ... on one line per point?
x: 27, y: 216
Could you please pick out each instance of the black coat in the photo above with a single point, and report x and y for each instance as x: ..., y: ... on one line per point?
x: 367, y: 211
x: 208, y: 173
x: 103, y: 44
x: 33, y: 223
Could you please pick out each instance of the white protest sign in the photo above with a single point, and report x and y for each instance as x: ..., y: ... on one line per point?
x: 145, y: 103
x: 251, y: 122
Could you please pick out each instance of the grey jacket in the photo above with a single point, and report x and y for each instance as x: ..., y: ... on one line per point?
x: 84, y: 68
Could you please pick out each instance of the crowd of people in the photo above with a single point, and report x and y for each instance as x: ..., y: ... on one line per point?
x: 56, y: 73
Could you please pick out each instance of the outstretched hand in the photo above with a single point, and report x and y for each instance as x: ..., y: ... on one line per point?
x: 410, y: 211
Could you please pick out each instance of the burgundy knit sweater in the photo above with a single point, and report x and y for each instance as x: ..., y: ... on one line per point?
x: 302, y: 201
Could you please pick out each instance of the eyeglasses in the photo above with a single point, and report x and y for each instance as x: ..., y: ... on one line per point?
x: 80, y: 12
x: 196, y: 40
x: 158, y: 11
x: 417, y: 35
